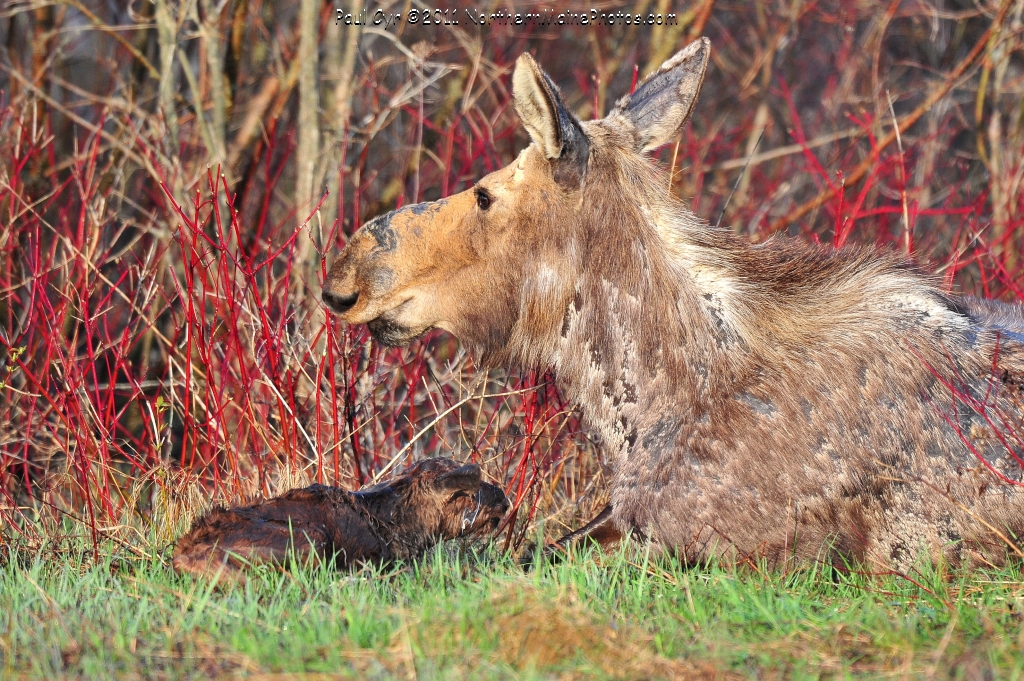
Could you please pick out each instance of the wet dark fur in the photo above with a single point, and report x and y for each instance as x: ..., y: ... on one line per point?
x: 433, y: 500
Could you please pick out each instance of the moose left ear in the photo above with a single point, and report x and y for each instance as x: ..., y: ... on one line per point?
x: 555, y: 131
x: 464, y: 478
x: 661, y: 104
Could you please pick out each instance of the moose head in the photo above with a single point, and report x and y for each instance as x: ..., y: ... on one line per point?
x: 498, y: 264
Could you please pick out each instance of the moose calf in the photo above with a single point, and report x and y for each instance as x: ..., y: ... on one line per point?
x: 782, y: 401
x: 433, y: 500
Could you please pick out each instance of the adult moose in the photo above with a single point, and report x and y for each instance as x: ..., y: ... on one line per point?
x: 782, y: 400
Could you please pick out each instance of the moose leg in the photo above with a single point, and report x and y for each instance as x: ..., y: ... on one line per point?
x: 601, y: 531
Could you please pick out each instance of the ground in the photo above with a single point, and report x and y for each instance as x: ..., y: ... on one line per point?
x: 468, y: 612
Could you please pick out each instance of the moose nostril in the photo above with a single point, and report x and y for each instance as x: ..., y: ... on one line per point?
x: 340, y: 303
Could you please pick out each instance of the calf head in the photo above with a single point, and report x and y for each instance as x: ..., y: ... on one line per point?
x: 436, y: 499
x: 496, y: 264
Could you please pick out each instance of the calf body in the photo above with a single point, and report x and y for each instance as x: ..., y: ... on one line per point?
x: 779, y: 400
x: 433, y: 500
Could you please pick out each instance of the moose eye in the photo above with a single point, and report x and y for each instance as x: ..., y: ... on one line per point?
x: 483, y: 199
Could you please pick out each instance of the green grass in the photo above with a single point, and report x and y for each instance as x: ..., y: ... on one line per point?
x: 460, y: 614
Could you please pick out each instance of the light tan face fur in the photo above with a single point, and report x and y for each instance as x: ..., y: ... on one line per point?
x: 444, y: 264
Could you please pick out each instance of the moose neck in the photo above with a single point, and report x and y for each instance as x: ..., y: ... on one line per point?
x: 639, y: 331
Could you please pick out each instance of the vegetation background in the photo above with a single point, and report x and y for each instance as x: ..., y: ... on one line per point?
x: 176, y: 175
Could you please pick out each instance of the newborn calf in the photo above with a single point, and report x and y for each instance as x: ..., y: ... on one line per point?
x: 433, y: 500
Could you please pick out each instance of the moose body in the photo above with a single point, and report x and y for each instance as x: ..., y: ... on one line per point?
x: 434, y: 500
x: 779, y: 401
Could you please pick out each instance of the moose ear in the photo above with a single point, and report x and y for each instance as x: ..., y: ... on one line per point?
x: 556, y: 132
x: 661, y: 104
x: 464, y: 478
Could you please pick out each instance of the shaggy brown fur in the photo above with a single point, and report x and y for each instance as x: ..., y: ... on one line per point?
x: 779, y: 400
x: 434, y: 500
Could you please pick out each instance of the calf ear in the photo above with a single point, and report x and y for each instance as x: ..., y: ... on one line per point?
x: 664, y: 101
x: 464, y: 478
x: 556, y: 132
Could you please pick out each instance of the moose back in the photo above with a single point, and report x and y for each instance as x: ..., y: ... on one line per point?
x: 781, y: 400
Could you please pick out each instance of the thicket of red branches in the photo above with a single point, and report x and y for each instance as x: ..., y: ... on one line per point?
x: 175, y: 177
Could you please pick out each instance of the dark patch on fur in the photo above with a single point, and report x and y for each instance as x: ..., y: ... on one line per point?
x: 383, y: 278
x: 380, y: 228
x: 725, y: 336
x: 661, y: 437
x: 758, y: 405
x: 419, y: 209
x: 628, y: 393
x: 899, y: 553
x: 954, y: 304
x: 806, y: 407
x: 862, y: 374
x: 389, y: 333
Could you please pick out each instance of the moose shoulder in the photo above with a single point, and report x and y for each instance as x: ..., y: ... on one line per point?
x: 782, y: 400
